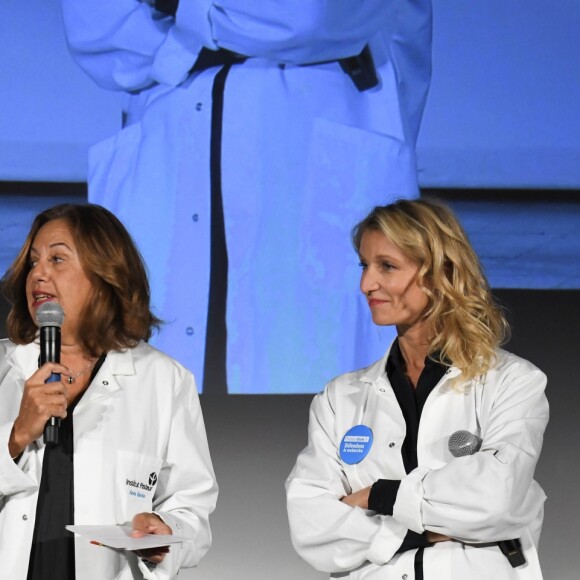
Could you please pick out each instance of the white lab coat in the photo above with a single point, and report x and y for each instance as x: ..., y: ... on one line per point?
x: 304, y: 156
x: 485, y: 497
x: 139, y: 416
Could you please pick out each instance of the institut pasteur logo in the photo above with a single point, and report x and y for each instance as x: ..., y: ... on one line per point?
x: 141, y: 486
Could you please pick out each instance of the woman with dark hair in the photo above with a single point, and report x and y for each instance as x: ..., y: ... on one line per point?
x: 421, y: 465
x: 132, y: 446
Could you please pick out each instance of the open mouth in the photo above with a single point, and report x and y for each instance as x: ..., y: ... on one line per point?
x: 40, y: 298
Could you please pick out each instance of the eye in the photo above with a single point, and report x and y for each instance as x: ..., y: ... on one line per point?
x: 387, y: 266
x: 32, y: 263
x: 56, y: 259
x: 362, y: 265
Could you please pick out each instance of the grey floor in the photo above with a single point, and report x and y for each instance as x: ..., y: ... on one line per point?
x: 522, y: 244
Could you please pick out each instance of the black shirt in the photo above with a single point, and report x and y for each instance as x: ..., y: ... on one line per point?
x: 411, y: 400
x: 52, y: 555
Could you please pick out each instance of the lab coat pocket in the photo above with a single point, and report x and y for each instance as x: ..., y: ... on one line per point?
x: 137, y: 476
x: 112, y: 167
x: 350, y: 170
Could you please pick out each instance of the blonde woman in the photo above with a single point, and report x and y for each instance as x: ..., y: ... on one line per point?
x: 421, y: 465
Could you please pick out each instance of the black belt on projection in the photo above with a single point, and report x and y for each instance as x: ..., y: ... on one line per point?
x: 214, y: 375
x: 360, y: 67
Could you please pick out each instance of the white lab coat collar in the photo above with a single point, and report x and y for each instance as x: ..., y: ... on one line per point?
x: 119, y: 363
x: 24, y: 356
x: 377, y: 372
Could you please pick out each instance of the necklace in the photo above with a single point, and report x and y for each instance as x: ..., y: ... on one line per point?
x: 75, y: 376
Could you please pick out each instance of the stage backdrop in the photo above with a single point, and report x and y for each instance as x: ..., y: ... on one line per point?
x: 503, y: 109
x: 503, y: 112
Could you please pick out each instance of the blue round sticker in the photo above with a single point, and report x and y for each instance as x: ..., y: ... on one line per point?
x: 356, y: 444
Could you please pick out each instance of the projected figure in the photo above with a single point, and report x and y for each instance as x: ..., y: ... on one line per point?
x: 251, y: 131
x: 421, y: 465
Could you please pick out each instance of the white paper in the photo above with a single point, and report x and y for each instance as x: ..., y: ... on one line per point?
x: 119, y: 537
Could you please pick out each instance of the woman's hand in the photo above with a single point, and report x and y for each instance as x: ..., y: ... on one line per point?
x: 148, y: 523
x: 40, y: 401
x: 358, y: 498
x: 361, y: 499
x: 434, y: 538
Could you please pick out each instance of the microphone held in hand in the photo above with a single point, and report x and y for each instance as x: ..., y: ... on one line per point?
x: 49, y: 317
x: 463, y: 443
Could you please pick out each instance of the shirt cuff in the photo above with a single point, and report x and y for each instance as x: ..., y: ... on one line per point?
x: 413, y: 541
x: 383, y: 495
x: 407, y: 508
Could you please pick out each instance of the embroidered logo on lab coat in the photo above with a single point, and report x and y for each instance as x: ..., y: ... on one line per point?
x: 141, y: 489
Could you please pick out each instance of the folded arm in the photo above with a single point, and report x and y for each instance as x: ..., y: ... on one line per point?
x: 326, y: 532
x: 129, y: 45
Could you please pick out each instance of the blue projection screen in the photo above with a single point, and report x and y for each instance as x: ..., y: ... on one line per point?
x: 503, y: 110
x: 502, y: 113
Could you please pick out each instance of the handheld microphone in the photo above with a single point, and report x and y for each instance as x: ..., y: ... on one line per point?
x: 462, y: 443
x: 49, y: 317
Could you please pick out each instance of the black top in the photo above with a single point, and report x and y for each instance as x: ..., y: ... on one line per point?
x: 411, y: 400
x: 52, y: 555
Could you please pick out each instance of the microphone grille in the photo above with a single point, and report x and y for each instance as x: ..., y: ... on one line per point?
x: 49, y: 314
x: 462, y: 443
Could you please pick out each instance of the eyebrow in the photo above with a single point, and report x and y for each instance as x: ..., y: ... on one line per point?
x: 381, y: 257
x: 51, y: 246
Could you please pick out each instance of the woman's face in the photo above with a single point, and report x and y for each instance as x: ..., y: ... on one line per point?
x: 56, y: 275
x: 389, y: 281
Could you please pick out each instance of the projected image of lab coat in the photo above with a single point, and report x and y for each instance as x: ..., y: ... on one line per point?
x: 303, y: 154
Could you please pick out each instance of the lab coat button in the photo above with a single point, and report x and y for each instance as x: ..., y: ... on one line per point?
x: 105, y: 383
x: 24, y: 517
x: 198, y: 107
x: 189, y: 331
x: 404, y: 576
x: 382, y: 390
x: 391, y: 445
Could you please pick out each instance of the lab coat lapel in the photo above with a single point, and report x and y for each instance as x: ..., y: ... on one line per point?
x: 450, y: 407
x: 24, y: 358
x: 109, y: 378
x: 383, y: 414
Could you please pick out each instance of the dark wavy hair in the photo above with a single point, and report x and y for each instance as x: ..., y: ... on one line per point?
x: 118, y: 314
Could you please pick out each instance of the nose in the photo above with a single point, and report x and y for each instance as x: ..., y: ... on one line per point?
x: 368, y: 282
x: 38, y: 272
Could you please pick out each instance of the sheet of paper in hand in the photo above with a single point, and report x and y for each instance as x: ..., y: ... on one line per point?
x: 119, y: 537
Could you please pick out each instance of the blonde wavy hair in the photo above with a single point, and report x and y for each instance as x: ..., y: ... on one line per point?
x: 465, y: 323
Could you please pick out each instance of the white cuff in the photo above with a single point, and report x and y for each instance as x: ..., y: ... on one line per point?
x: 387, y: 541
x: 407, y: 508
x: 12, y: 478
x: 180, y: 49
